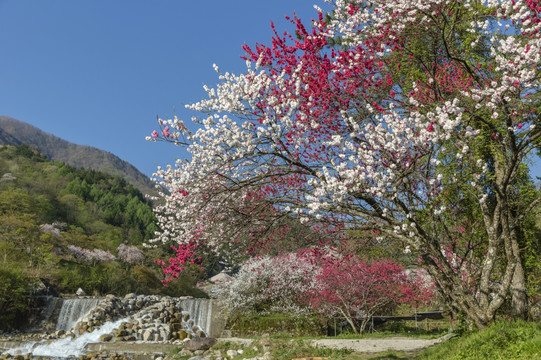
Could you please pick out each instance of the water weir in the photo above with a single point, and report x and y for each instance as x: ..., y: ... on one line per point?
x: 115, y: 321
x: 73, y: 310
x: 200, y: 311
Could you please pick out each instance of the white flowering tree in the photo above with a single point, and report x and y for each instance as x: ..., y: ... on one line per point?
x: 130, y: 254
x: 269, y: 284
x: 412, y: 119
x: 90, y: 256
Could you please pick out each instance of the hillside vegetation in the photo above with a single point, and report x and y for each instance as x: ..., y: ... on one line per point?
x: 15, y: 132
x: 72, y: 228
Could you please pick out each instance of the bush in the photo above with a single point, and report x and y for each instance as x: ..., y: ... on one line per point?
x: 15, y: 290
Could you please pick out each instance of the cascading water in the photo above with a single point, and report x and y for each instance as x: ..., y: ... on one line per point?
x: 65, y: 347
x: 74, y: 310
x: 200, y: 311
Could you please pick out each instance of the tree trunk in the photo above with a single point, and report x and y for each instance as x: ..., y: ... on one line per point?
x: 519, y: 299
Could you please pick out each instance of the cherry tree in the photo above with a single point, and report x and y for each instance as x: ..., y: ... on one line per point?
x: 400, y: 117
x: 130, y: 254
x: 90, y: 256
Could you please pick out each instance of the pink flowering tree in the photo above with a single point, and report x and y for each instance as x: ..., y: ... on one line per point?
x: 185, y: 256
x: 394, y: 116
x: 357, y: 290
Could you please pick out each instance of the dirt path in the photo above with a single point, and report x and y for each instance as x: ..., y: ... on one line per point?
x: 380, y: 345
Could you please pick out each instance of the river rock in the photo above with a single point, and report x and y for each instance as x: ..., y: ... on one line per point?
x: 232, y: 353
x: 148, y: 335
x: 80, y: 292
x: 199, y: 343
x: 106, y: 337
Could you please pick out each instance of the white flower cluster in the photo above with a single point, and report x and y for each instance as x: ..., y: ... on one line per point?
x: 271, y: 284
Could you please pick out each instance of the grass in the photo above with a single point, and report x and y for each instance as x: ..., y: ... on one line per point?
x: 517, y: 340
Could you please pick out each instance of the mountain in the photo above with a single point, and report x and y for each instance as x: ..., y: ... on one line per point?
x: 15, y: 132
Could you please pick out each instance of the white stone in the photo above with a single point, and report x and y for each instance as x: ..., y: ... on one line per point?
x: 80, y: 292
x: 232, y: 353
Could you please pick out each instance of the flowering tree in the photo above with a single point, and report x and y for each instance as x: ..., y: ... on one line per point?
x: 396, y: 116
x: 130, y: 254
x: 272, y: 284
x: 90, y: 256
x: 185, y: 255
x: 356, y: 289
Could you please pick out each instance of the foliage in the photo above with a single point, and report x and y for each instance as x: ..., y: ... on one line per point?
x: 289, y: 325
x: 411, y: 119
x: 502, y: 340
x: 15, y: 296
x: 68, y: 225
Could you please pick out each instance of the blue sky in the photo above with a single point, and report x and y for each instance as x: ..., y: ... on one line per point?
x: 99, y: 72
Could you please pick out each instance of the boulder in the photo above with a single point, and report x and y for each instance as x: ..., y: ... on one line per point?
x: 199, y: 343
x: 80, y: 292
x: 148, y: 335
x: 221, y: 278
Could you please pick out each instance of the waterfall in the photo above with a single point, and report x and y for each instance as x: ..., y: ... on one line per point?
x: 66, y: 347
x: 74, y: 310
x: 200, y: 312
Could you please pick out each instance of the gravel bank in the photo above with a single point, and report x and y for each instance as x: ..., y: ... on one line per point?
x: 380, y: 345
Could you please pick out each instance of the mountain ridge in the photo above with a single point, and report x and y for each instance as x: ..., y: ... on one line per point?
x: 17, y: 132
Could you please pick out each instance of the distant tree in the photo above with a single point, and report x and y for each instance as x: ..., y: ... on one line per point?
x: 14, y: 296
x: 268, y: 284
x: 130, y: 254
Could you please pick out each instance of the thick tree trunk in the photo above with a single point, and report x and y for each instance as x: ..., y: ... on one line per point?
x: 519, y: 292
x: 519, y: 299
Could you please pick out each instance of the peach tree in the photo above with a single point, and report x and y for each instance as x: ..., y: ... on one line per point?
x: 410, y: 119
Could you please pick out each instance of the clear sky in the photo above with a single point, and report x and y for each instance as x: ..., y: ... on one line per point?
x: 99, y: 72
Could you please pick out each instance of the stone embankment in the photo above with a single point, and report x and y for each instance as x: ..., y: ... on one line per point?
x: 148, y: 318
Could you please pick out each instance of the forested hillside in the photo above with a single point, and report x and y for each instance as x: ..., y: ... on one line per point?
x: 74, y: 228
x: 15, y: 132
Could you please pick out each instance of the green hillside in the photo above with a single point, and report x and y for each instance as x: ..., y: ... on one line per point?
x: 15, y: 132
x: 73, y: 228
